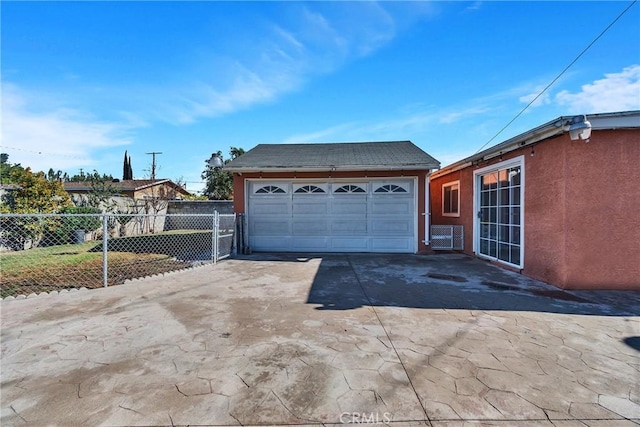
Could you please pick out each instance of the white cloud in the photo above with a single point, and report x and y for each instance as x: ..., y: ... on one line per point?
x: 324, y: 135
x: 402, y: 127
x: 543, y: 99
x: 474, y: 6
x: 615, y: 92
x: 59, y: 138
x: 205, y: 100
x: 457, y: 115
x: 319, y: 39
x: 305, y: 41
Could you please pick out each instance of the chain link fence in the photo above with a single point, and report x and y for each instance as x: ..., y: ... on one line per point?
x: 54, y: 252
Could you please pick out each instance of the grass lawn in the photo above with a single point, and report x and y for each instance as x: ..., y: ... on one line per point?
x: 80, y: 265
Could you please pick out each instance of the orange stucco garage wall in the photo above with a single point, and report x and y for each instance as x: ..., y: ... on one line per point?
x: 582, y: 209
x: 239, y: 186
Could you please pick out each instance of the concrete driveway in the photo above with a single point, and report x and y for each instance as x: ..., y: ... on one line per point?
x: 442, y: 340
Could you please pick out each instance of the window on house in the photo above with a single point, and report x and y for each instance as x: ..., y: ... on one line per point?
x: 451, y: 199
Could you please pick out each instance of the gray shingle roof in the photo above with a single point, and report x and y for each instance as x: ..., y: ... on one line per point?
x: 395, y: 155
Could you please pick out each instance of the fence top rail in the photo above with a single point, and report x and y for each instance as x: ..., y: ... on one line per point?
x: 14, y: 215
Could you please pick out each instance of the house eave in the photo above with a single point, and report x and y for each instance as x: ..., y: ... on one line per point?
x: 359, y: 168
x: 602, y: 121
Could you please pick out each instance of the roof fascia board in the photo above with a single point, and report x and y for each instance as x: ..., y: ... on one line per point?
x: 535, y: 135
x: 151, y: 184
x: 601, y: 121
x: 614, y: 122
x: 331, y: 168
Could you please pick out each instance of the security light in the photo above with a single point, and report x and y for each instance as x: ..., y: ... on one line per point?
x: 580, y: 128
x: 215, y: 162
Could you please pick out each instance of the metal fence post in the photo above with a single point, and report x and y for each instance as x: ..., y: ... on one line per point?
x: 216, y: 229
x: 234, y: 247
x: 105, y: 246
x: 213, y: 238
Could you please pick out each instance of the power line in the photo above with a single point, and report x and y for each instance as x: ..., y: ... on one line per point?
x: 559, y: 75
x: 21, y: 149
x: 42, y: 152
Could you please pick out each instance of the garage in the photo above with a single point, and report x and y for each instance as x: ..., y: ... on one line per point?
x: 335, y: 216
x: 333, y: 197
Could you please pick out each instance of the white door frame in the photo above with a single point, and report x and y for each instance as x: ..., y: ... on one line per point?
x: 515, y: 161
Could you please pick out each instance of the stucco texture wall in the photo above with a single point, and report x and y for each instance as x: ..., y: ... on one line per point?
x: 582, y: 210
x: 603, y: 211
x: 544, y: 206
x: 465, y: 177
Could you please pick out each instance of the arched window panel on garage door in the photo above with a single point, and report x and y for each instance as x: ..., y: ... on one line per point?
x: 269, y: 189
x: 391, y: 188
x: 310, y: 189
x: 349, y: 188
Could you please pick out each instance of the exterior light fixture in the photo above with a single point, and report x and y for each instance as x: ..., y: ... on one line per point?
x: 215, y: 162
x: 579, y: 128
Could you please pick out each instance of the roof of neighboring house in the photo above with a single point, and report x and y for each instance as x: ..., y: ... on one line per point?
x: 127, y: 185
x: 349, y: 156
x: 601, y: 121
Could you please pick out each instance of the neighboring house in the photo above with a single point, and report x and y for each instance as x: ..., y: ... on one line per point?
x: 139, y: 196
x: 333, y: 197
x: 136, y: 189
x: 562, y: 210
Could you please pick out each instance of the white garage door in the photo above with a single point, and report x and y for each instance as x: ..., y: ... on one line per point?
x: 371, y: 216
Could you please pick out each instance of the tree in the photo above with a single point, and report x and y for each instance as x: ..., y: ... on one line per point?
x: 127, y: 170
x: 125, y: 167
x: 236, y: 152
x: 7, y: 170
x: 35, y: 194
x: 219, y: 183
x: 54, y: 176
x: 101, y: 194
x: 88, y: 177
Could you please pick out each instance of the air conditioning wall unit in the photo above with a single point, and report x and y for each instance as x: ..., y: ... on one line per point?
x: 447, y: 237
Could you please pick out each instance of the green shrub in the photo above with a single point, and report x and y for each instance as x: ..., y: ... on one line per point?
x: 82, y: 221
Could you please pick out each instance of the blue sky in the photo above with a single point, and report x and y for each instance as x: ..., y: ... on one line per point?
x: 84, y: 81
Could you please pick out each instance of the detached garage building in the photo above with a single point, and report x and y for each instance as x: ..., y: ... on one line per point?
x: 334, y: 197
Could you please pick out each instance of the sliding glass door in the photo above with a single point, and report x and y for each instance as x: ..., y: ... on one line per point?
x: 499, y: 199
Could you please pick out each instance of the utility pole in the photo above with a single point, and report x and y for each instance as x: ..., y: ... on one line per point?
x: 153, y: 164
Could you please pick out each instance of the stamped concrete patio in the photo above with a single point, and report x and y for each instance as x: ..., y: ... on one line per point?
x: 442, y: 340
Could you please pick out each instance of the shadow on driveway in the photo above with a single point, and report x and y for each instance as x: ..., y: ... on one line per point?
x: 445, y: 281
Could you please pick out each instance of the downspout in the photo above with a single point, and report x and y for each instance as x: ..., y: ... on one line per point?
x: 427, y: 212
